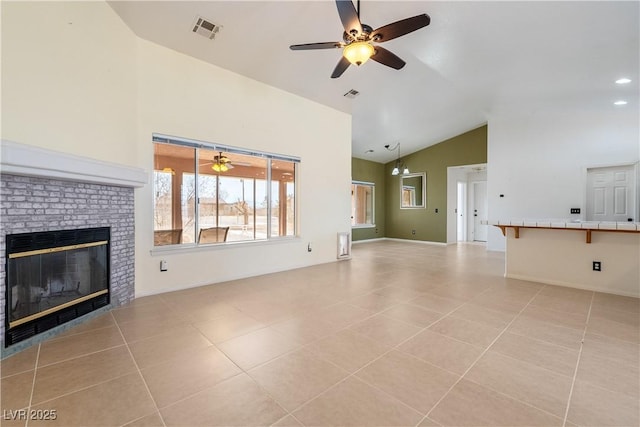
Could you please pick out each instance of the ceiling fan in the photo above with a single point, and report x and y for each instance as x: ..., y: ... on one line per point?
x: 358, y: 39
x: 221, y: 163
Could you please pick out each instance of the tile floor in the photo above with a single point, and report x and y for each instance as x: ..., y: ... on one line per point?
x: 401, y: 335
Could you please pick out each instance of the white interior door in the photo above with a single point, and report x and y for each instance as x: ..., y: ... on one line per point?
x: 611, y: 193
x: 461, y: 209
x: 480, y: 211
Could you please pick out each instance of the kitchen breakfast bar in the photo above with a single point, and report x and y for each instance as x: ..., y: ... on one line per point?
x: 598, y: 256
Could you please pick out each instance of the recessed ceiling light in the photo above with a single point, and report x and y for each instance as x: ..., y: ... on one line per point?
x: 623, y: 81
x: 621, y: 102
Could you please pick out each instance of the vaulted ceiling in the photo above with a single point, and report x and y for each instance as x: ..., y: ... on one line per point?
x: 476, y: 59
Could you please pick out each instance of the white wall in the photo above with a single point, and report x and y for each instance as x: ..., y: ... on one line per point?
x: 538, y: 161
x: 75, y: 79
x: 181, y: 96
x: 69, y: 80
x: 562, y: 257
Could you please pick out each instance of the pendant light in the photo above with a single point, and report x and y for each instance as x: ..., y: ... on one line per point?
x: 399, y: 163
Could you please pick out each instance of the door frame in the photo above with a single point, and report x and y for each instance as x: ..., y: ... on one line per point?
x: 471, y: 233
x: 455, y: 174
x: 636, y: 180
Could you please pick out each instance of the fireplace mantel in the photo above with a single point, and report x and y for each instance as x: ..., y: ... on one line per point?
x: 27, y: 160
x: 43, y: 190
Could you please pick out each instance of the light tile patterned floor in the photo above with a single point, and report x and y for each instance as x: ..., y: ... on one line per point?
x: 401, y: 335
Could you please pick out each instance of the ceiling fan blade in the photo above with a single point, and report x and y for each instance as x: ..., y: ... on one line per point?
x: 349, y: 17
x: 311, y: 46
x: 387, y: 58
x: 343, y: 64
x: 400, y: 28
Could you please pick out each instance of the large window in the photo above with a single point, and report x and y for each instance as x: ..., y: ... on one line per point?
x: 233, y: 195
x: 362, y: 204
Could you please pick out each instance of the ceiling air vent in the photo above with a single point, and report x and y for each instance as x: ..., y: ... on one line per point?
x: 351, y: 94
x: 205, y: 28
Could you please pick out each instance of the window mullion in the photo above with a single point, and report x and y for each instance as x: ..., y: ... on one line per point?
x: 254, y: 208
x: 269, y: 199
x: 196, y: 208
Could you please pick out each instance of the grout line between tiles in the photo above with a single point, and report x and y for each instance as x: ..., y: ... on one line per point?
x: 575, y: 372
x: 481, y: 355
x: 81, y: 355
x: 242, y: 371
x: 33, y: 385
x: 508, y: 356
x: 543, y: 340
x: 83, y: 388
x: 146, y: 386
x: 508, y: 396
x: 68, y: 335
x: 392, y: 348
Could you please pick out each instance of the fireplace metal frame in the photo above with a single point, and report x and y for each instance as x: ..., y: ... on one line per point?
x: 50, y: 242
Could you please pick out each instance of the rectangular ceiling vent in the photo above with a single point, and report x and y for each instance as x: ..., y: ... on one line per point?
x: 351, y: 94
x: 205, y: 28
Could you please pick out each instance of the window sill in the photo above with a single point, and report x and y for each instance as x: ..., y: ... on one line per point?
x: 364, y: 226
x: 187, y: 248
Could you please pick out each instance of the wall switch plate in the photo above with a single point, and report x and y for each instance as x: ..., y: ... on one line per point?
x: 575, y: 210
x: 163, y: 265
x: 597, y: 266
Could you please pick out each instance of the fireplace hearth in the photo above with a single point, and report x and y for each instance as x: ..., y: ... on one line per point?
x: 54, y: 277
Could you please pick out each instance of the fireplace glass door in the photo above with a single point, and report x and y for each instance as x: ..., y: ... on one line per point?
x: 51, y: 274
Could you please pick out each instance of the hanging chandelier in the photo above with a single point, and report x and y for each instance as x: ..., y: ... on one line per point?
x: 399, y: 162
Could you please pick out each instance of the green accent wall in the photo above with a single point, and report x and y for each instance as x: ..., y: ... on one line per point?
x: 466, y: 149
x: 470, y: 148
x: 367, y: 171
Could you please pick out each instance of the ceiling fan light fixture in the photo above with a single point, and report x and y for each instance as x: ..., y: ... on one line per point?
x: 221, y: 163
x: 358, y: 53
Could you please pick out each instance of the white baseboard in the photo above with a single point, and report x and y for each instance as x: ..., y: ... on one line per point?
x: 377, y: 239
x: 570, y: 285
x: 393, y: 239
x: 423, y: 242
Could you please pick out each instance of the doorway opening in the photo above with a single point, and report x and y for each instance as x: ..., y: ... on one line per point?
x: 467, y: 208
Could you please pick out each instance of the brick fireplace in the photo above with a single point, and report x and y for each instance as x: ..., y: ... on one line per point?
x: 75, y: 193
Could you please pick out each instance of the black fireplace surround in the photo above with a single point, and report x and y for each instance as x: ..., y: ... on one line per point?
x: 54, y: 277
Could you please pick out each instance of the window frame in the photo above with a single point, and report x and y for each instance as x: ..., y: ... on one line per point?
x: 198, y: 145
x: 373, y: 204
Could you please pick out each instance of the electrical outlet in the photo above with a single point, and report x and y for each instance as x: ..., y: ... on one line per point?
x: 597, y: 266
x: 413, y: 232
x: 163, y: 265
x: 309, y: 247
x: 436, y: 210
x: 575, y: 210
